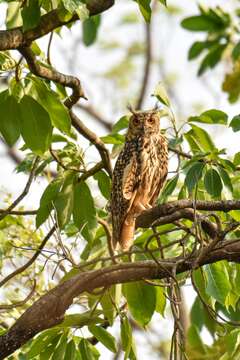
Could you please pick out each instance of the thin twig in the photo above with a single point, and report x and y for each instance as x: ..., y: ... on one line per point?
x: 22, y: 302
x: 109, y: 238
x: 30, y: 261
x: 25, y: 190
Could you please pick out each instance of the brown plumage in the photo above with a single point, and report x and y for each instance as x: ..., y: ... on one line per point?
x: 139, y: 174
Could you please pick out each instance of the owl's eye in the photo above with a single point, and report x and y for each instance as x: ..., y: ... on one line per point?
x: 151, y: 120
x: 136, y: 121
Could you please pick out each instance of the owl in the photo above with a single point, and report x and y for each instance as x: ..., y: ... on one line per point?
x: 139, y: 174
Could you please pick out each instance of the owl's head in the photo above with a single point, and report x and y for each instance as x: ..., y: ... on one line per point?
x: 144, y: 123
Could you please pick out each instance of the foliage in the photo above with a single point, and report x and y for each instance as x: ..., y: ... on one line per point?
x: 37, y: 119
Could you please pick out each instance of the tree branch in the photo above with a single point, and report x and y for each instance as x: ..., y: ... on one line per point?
x: 16, y: 38
x: 148, y: 217
x: 31, y: 260
x: 21, y: 302
x: 94, y: 139
x: 25, y: 190
x: 74, y: 84
x: 54, y: 75
x: 49, y: 310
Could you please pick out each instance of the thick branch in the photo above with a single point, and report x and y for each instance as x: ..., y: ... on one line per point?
x: 49, y: 310
x: 15, y: 38
x: 148, y: 217
x: 54, y: 75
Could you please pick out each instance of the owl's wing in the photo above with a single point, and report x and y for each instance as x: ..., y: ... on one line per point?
x: 126, y: 177
x: 130, y: 179
x: 158, y: 186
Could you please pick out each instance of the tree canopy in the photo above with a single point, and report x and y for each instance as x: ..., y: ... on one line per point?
x: 65, y: 294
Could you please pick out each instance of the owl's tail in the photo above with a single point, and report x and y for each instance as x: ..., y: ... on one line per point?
x: 127, y: 233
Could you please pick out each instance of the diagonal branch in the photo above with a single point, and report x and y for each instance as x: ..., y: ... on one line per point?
x: 24, y: 192
x: 56, y: 302
x: 31, y: 260
x: 74, y: 84
x: 54, y: 75
x: 21, y: 302
x: 94, y: 139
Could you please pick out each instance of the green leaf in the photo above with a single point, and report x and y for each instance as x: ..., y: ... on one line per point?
x: 196, y: 315
x: 90, y: 29
x: 16, y: 89
x: 145, y: 8
x: 236, y: 51
x: 225, y: 178
x: 88, y: 351
x: 84, y: 212
x: 189, y: 136
x: 6, y: 61
x: 104, y: 337
x: 233, y: 342
x: 121, y: 124
x: 194, y: 339
x: 31, y: 15
x: 9, y: 115
x: 108, y: 307
x: 161, y: 94
x: 63, y: 203
x: 50, y: 102
x: 200, y: 23
x: 196, y: 49
x: 200, y: 282
x: 138, y: 294
x: 59, y: 352
x: 163, y: 2
x: 104, y: 183
x: 78, y: 7
x: 161, y: 301
x: 211, y: 117
x: 235, y: 123
x: 194, y: 174
x: 39, y: 343
x: 213, y: 183
x: 79, y: 320
x: 36, y: 128
x: 218, y: 283
x: 46, y: 202
x: 49, y: 349
x: 126, y: 336
x: 169, y: 187
x: 212, y: 58
x: 202, y: 138
x: 13, y: 16
x: 70, y: 351
x: 236, y: 159
x: 116, y: 139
